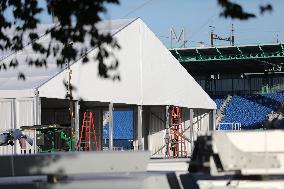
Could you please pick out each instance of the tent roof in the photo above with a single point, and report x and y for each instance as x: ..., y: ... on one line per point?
x: 149, y: 74
x: 35, y: 77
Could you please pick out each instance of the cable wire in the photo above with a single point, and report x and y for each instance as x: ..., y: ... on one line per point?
x: 137, y: 8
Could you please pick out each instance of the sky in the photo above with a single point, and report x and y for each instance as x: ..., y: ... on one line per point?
x: 197, y: 15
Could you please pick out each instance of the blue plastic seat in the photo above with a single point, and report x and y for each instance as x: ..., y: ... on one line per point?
x: 251, y: 110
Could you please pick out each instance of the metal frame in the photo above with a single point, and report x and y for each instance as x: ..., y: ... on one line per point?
x: 139, y: 127
x: 37, y: 115
x: 191, y: 112
x: 221, y: 56
x: 77, y: 121
x: 110, y: 136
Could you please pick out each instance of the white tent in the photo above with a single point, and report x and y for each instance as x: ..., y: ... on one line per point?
x: 149, y: 74
x: 150, y: 77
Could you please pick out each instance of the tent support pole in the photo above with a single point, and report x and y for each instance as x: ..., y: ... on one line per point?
x: 76, y: 124
x: 139, y: 127
x: 37, y: 109
x: 110, y: 136
x: 37, y: 114
x: 214, y: 119
x: 191, y: 130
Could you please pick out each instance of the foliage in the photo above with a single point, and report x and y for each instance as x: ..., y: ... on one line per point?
x: 75, y: 24
x: 235, y: 10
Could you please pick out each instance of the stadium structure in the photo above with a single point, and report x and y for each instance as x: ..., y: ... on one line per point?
x: 246, y: 82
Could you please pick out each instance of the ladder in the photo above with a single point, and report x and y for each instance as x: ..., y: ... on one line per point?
x: 175, y: 136
x: 88, y: 127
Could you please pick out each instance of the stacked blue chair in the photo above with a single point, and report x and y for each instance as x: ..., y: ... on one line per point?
x: 219, y: 101
x: 251, y: 110
x: 122, y: 129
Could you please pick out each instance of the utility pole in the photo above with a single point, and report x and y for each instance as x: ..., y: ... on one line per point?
x: 232, y: 36
x: 214, y: 36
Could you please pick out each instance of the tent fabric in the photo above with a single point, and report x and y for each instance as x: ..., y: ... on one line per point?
x: 40, y: 30
x: 36, y: 76
x: 149, y: 74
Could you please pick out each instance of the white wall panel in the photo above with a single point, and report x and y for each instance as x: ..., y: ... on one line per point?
x: 24, y: 112
x: 15, y: 113
x: 157, y: 132
x: 6, y: 121
x: 25, y: 116
x: 200, y: 124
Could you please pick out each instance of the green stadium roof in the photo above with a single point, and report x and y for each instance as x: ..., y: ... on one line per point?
x: 231, y: 59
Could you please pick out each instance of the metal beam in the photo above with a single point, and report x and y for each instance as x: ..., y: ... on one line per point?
x: 37, y: 109
x: 240, y: 51
x: 139, y: 127
x: 191, y: 131
x: 77, y: 120
x: 178, y: 54
x: 214, y: 119
x: 110, y: 132
x: 219, y: 52
x: 195, y: 55
x: 200, y: 56
x: 227, y: 57
x: 37, y: 117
